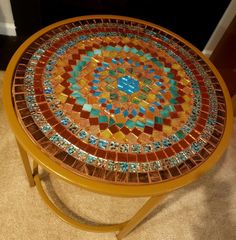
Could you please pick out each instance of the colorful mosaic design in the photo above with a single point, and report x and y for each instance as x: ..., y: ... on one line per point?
x: 119, y: 101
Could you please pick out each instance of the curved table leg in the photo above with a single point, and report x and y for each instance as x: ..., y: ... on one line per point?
x: 26, y: 163
x: 142, y: 213
x: 71, y: 221
x: 123, y: 228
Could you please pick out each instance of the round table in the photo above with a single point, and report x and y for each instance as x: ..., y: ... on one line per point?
x: 118, y: 106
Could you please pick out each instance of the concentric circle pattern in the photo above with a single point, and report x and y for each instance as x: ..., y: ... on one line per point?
x: 119, y: 101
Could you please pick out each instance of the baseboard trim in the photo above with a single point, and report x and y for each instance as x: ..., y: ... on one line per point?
x: 7, y: 29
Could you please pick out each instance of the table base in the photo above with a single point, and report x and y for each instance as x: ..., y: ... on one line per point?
x: 123, y: 229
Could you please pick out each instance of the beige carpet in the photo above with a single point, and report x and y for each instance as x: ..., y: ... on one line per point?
x: 203, y: 210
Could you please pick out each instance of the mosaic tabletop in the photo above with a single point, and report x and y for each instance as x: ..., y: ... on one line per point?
x: 119, y: 101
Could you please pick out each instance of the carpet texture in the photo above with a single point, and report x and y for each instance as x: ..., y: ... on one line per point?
x: 203, y: 210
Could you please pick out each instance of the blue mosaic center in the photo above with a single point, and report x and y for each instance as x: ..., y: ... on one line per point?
x: 128, y: 84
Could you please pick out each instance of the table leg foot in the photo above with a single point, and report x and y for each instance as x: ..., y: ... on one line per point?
x: 26, y: 163
x: 139, y: 216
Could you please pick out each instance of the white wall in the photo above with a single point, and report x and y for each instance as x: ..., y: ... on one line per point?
x: 7, y: 26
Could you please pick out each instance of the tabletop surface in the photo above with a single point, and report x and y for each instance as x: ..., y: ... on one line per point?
x: 119, y: 101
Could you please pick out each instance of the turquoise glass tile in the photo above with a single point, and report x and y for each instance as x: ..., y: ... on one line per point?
x: 96, y: 94
x: 117, y: 110
x: 102, y: 144
x: 105, y: 64
x: 83, y: 134
x: 97, y: 51
x: 87, y: 107
x: 142, y: 109
x: 46, y: 128
x: 72, y: 80
x: 149, y: 123
x: 145, y: 67
x: 130, y: 124
x: 103, y: 119
x: 147, y: 148
x: 75, y: 87
x: 126, y: 48
x: 166, y: 142
x: 75, y: 73
x: 180, y: 134
x: 166, y: 70
x: 71, y: 150
x: 96, y: 75
x: 159, y: 84
x: 195, y: 147
x: 76, y: 94
x: 91, y: 159
x: 133, y: 50
x: 152, y: 109
x: 90, y: 53
x: 95, y: 81
x: 158, y: 120
x: 94, y: 112
x: 157, y: 77
x: 86, y: 59
x: 65, y: 121
x: 124, y: 166
x: 114, y: 61
x: 118, y: 48
x: 125, y: 113
x: 140, y: 53
x: 80, y: 100
x: 58, y: 113
x: 172, y: 82
x: 130, y: 61
x: 156, y: 145
x: 133, y: 167
x: 92, y: 140
x: 100, y: 69
x: 170, y: 75
x: 109, y: 107
x: 102, y: 100
x: 111, y: 121
x: 148, y: 56
x: 94, y: 87
x: 173, y: 101
x: 55, y: 138
x: 140, y: 124
x: 164, y: 113
x: 120, y: 125
x: 121, y: 60
x: 109, y: 48
x: 134, y: 112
